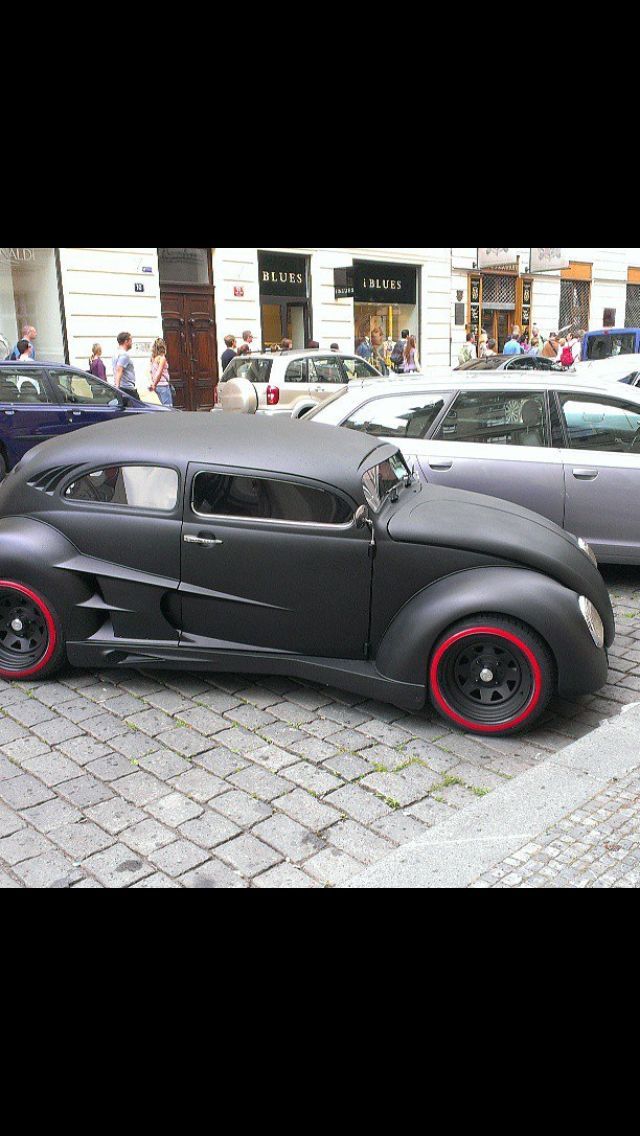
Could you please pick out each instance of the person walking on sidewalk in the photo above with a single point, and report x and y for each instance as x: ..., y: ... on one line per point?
x: 30, y: 334
x: 469, y: 352
x: 124, y: 372
x: 411, y: 362
x: 96, y: 363
x: 160, y: 377
x: 230, y: 353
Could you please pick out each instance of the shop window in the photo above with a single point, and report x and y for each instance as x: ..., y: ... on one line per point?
x: 575, y: 304
x: 30, y: 297
x: 633, y: 306
x: 498, y: 290
x: 184, y: 266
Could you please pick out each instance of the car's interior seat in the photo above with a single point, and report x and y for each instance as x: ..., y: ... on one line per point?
x: 533, y: 434
x: 29, y: 392
x: 8, y: 390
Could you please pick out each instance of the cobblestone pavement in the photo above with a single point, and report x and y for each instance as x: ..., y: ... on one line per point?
x: 598, y: 846
x: 119, y: 780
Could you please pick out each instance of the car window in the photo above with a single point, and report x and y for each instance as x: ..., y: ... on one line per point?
x: 83, y: 390
x: 139, y: 487
x: 325, y: 370
x: 402, y: 416
x: 609, y: 346
x: 296, y: 371
x: 255, y: 370
x: 499, y: 418
x: 266, y: 499
x: 529, y: 363
x: 599, y: 423
x: 359, y: 369
x: 22, y: 386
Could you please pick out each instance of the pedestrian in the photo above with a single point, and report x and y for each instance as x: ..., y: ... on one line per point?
x: 335, y: 346
x: 490, y: 349
x: 313, y: 345
x: 377, y: 352
x: 513, y: 347
x: 247, y: 337
x: 571, y: 350
x: 96, y: 363
x: 23, y: 348
x: 30, y: 335
x: 124, y: 372
x: 286, y: 345
x: 230, y: 353
x: 551, y: 347
x: 160, y: 376
x: 469, y: 352
x: 363, y: 349
x: 411, y: 361
x: 243, y: 351
x: 397, y: 355
x: 537, y: 343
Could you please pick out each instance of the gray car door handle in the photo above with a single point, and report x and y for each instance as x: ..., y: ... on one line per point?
x: 203, y: 541
x: 441, y: 465
x: 585, y: 474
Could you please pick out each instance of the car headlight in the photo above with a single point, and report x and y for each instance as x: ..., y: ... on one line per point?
x: 593, y: 621
x: 588, y: 551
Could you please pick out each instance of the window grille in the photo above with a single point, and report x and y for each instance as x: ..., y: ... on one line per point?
x: 575, y: 305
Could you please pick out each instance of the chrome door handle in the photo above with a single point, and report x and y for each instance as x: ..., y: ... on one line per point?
x: 441, y: 465
x: 204, y: 542
x: 10, y: 413
x: 585, y: 474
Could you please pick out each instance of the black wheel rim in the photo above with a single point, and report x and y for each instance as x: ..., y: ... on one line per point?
x: 487, y: 680
x: 24, y: 635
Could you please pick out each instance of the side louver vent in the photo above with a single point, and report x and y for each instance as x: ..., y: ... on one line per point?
x: 49, y: 481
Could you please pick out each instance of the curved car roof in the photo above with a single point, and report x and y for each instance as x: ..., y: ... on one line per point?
x: 274, y: 445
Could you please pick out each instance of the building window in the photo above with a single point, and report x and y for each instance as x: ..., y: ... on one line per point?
x: 575, y: 305
x: 30, y: 297
x: 184, y: 266
x: 633, y: 306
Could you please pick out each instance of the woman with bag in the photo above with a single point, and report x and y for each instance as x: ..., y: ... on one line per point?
x: 160, y: 377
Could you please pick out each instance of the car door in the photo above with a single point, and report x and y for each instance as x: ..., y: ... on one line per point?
x: 498, y: 442
x: 272, y: 563
x: 87, y: 400
x: 29, y: 413
x: 602, y: 473
x: 326, y: 374
x: 358, y: 368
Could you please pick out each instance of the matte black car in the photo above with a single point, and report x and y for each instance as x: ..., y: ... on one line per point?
x: 265, y: 546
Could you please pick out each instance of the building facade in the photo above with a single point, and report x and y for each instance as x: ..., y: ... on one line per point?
x: 194, y: 297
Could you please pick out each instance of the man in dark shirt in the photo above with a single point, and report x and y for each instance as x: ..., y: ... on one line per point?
x: 230, y: 353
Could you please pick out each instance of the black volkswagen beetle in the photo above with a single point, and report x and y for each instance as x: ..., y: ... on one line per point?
x: 261, y: 546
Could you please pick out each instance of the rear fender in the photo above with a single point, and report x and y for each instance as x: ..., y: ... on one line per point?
x: 544, y: 605
x: 29, y: 553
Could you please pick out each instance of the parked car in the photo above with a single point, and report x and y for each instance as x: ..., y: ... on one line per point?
x: 611, y: 342
x: 39, y: 401
x: 617, y: 369
x: 290, y: 383
x: 275, y: 547
x: 510, y: 363
x: 567, y: 449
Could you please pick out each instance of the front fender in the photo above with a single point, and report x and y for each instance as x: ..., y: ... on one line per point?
x: 29, y: 553
x: 530, y: 597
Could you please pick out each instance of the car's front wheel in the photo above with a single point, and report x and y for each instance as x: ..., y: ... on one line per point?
x: 31, y: 638
x: 491, y: 676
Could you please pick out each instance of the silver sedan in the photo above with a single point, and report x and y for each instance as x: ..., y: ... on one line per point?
x: 567, y: 449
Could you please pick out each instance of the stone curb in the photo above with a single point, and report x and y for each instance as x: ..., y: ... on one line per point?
x: 458, y: 852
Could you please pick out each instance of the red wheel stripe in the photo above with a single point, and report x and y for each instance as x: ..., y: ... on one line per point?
x: 51, y: 628
x: 476, y: 727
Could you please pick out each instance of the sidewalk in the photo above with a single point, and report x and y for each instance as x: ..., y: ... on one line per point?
x: 572, y: 822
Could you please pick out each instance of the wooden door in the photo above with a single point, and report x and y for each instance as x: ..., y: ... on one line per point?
x: 190, y: 335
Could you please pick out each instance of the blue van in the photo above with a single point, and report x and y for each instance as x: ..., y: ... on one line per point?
x: 611, y: 342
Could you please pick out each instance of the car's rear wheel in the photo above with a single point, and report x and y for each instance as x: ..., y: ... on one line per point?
x: 491, y: 676
x: 31, y: 639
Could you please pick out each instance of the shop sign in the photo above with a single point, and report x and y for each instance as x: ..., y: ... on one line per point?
x: 18, y: 255
x: 344, y: 282
x: 497, y: 258
x: 282, y: 275
x: 385, y: 283
x: 548, y: 260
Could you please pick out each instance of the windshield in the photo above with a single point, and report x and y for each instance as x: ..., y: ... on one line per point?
x: 608, y: 345
x: 383, y: 479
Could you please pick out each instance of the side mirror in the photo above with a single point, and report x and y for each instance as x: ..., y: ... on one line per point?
x: 362, y: 517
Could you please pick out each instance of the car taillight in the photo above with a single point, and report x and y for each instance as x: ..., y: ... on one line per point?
x: 273, y: 396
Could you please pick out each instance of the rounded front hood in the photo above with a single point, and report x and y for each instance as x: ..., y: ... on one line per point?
x: 453, y: 518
